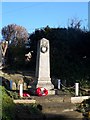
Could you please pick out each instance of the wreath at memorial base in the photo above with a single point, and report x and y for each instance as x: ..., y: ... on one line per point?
x: 25, y: 94
x: 40, y: 91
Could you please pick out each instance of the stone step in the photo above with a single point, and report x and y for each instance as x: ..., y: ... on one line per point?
x: 54, y: 115
x: 64, y: 116
x: 54, y: 107
x: 49, y: 117
x: 58, y: 105
x: 52, y: 98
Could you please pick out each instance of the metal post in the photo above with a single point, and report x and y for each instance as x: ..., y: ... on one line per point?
x: 76, y: 89
x: 59, y: 84
x: 21, y: 90
x: 11, y: 84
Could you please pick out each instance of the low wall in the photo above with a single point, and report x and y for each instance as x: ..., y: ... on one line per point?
x: 24, y: 101
x: 79, y: 99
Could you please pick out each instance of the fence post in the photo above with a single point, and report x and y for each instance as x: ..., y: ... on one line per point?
x: 76, y: 89
x: 59, y: 84
x: 11, y: 82
x: 21, y: 90
x: 13, y: 86
x: 25, y: 86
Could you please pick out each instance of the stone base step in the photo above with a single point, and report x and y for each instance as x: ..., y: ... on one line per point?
x: 52, y: 98
x: 51, y: 92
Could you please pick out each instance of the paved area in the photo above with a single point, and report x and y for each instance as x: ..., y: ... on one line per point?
x: 54, y: 107
x: 58, y: 107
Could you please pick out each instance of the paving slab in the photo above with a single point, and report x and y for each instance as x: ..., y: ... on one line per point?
x: 58, y: 107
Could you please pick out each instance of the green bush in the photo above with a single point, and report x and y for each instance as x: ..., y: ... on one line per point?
x: 7, y: 105
x: 84, y: 107
x: 10, y: 110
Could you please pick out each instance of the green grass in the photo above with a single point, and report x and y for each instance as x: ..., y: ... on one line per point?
x: 7, y: 105
x: 10, y: 110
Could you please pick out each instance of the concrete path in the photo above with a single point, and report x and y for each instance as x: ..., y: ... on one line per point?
x: 54, y: 107
x: 58, y: 108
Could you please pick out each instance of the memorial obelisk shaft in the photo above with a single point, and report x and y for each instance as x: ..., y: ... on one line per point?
x: 43, y: 65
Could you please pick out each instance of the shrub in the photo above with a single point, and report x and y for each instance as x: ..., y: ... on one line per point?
x: 84, y: 107
x: 7, y: 105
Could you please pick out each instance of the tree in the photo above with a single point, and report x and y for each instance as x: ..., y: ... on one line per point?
x: 15, y: 34
x: 75, y: 23
x: 4, y: 47
x: 67, y: 50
